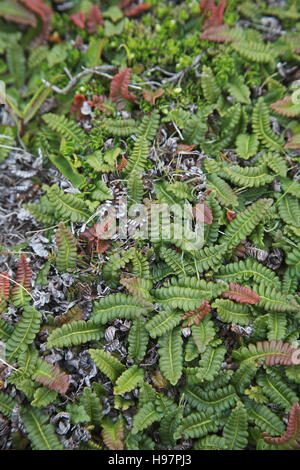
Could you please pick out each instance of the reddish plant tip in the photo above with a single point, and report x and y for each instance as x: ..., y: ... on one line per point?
x: 78, y: 19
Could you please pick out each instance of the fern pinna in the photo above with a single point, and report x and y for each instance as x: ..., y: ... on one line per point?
x: 120, y: 340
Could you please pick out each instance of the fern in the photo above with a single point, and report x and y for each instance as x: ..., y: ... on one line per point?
x: 245, y: 222
x: 108, y: 364
x: 210, y: 363
x: 249, y: 269
x: 276, y: 326
x: 249, y: 176
x: 113, y: 434
x: 24, y: 333
x: 262, y: 128
x: 74, y: 333
x: 276, y: 389
x: 92, y: 406
x: 272, y: 352
x: 145, y: 416
x: 42, y: 435
x: 66, y: 205
x: 138, y: 340
x: 138, y: 159
x: 230, y: 312
x: 67, y: 248
x: 226, y: 195
x: 246, y: 145
x: 21, y: 291
x: 210, y: 88
x: 119, y: 306
x: 198, y: 425
x: 271, y: 299
x: 293, y: 260
x: 170, y: 352
x: 120, y: 127
x: 289, y: 211
x: 149, y: 126
x: 203, y: 334
x: 266, y: 419
x: 218, y: 401
x: 235, y: 430
x: 43, y: 397
x: 254, y: 51
x: 7, y: 404
x: 64, y: 127
x: 129, y: 380
x: 163, y: 322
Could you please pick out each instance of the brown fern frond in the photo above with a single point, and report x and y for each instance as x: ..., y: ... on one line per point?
x: 44, y: 11
x: 4, y: 286
x: 24, y: 274
x: 194, y: 317
x: 119, y: 88
x: 137, y: 9
x: 77, y: 105
x: 159, y: 381
x: 78, y: 19
x: 94, y: 19
x: 218, y: 34
x: 152, y: 96
x: 291, y: 437
x: 285, y: 107
x: 51, y: 376
x: 241, y: 294
x: 113, y: 435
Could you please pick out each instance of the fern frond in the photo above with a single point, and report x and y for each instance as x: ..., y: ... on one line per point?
x: 92, y: 405
x: 226, y: 195
x: 218, y: 400
x: 276, y: 389
x: 119, y: 306
x: 254, y: 51
x: 139, y: 156
x: 289, y: 210
x: 271, y: 352
x: 108, y: 364
x: 149, y: 126
x: 203, y: 334
x: 170, y: 352
x: 7, y: 404
x: 245, y: 270
x: 51, y: 376
x: 74, y: 333
x: 210, y: 88
x: 67, y: 249
x: 210, y: 363
x: 24, y: 275
x: 24, y: 333
x: 276, y: 326
x: 271, y: 299
x: 264, y: 418
x: 113, y: 434
x: 245, y: 222
x: 65, y: 128
x: 248, y: 176
x: 262, y: 127
x: 211, y: 442
x: 163, y: 322
x: 230, y: 312
x: 198, y: 425
x: 235, y: 430
x: 291, y: 437
x: 129, y: 380
x: 138, y: 339
x: 145, y: 416
x: 246, y: 145
x: 41, y: 434
x: 244, y: 375
x: 43, y: 397
x: 66, y: 205
x: 120, y: 127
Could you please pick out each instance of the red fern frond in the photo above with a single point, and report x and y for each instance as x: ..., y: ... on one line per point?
x: 285, y: 107
x: 51, y: 376
x: 216, y: 17
x: 291, y: 436
x: 119, y: 88
x: 24, y: 273
x: 194, y: 317
x: 122, y: 164
x: 125, y: 4
x: 203, y: 214
x: 136, y: 10
x: 94, y: 19
x: 77, y: 105
x: 274, y: 352
x: 206, y: 6
x: 44, y: 11
x: 4, y: 286
x: 78, y: 19
x: 241, y: 294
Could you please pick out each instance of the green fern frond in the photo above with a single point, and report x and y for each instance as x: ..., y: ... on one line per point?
x: 246, y: 145
x: 66, y: 205
x: 129, y: 380
x: 65, y: 128
x: 138, y: 339
x: 170, y: 352
x: 24, y: 333
x: 149, y: 126
x: 235, y: 429
x: 226, y: 195
x: 198, y: 425
x: 7, y: 404
x: 210, y: 363
x: 262, y: 127
x: 231, y: 312
x: 41, y: 434
x: 74, y: 333
x: 248, y: 269
x: 119, y: 305
x: 139, y: 156
x: 67, y: 249
x: 108, y: 364
x: 120, y: 127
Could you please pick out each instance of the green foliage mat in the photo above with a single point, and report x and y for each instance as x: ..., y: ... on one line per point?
x: 176, y: 103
